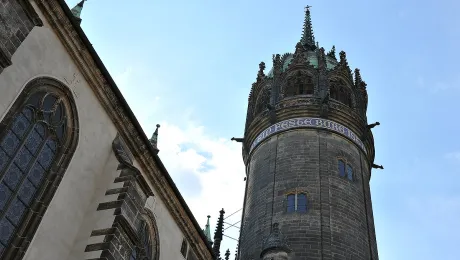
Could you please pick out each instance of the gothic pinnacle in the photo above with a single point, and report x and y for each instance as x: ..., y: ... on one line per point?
x: 261, y: 74
x: 207, y: 231
x: 218, y: 235
x: 154, y: 139
x: 331, y: 53
x: 76, y: 10
x: 227, y: 254
x: 308, y: 39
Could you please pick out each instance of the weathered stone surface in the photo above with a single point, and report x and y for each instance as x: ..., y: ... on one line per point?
x: 338, y: 222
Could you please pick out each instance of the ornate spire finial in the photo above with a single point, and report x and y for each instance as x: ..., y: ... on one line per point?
x: 261, y: 74
x: 227, y: 254
x: 154, y: 139
x: 76, y: 10
x: 218, y: 235
x: 308, y: 39
x: 331, y: 53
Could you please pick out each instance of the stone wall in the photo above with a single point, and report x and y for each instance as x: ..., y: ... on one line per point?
x: 72, y: 222
x: 305, y: 160
x: 17, y: 18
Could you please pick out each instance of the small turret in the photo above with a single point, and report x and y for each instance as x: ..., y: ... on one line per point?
x: 274, y: 247
x: 76, y: 10
x: 207, y: 231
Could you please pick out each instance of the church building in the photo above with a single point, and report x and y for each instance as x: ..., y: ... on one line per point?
x: 79, y: 179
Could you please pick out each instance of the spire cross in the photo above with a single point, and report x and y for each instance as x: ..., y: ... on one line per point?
x: 307, y: 8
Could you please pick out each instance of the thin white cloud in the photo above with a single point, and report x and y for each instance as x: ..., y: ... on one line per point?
x: 209, y: 172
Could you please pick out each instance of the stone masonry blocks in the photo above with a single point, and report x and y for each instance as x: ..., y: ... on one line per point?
x: 338, y: 223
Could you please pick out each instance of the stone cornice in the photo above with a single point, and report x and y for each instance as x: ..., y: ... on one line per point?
x: 59, y: 17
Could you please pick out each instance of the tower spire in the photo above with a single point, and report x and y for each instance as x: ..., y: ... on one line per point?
x: 308, y: 39
x: 76, y: 10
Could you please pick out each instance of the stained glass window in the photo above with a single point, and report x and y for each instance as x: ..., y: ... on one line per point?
x: 29, y: 145
x: 301, y: 202
x: 349, y: 172
x: 291, y: 203
x: 341, y: 166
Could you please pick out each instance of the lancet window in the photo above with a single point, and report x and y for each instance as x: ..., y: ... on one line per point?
x: 143, y: 248
x: 263, y: 100
x: 37, y: 140
x: 340, y: 92
x: 299, y: 84
x: 345, y: 170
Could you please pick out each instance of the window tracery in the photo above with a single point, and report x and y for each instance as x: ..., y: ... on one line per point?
x: 142, y: 249
x: 263, y: 100
x: 340, y: 92
x: 37, y: 138
x: 299, y: 84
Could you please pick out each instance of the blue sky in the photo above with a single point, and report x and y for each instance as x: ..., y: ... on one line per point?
x: 189, y: 65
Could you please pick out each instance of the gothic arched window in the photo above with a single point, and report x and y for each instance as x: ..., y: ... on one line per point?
x: 345, y: 170
x: 37, y: 139
x: 299, y: 84
x: 340, y: 92
x: 143, y: 247
x: 341, y: 166
x: 263, y: 100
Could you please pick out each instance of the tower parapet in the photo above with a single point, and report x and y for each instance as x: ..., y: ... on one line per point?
x: 308, y: 151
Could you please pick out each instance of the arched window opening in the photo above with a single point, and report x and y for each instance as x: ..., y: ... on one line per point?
x: 340, y: 92
x: 333, y: 92
x: 341, y: 168
x: 263, y: 100
x: 345, y: 169
x: 349, y: 172
x: 297, y: 203
x: 38, y: 137
x: 299, y: 84
x: 145, y: 245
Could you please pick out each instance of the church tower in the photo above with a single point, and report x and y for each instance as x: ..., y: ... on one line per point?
x: 308, y: 151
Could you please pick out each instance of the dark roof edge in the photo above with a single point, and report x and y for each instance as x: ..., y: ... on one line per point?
x: 131, y: 115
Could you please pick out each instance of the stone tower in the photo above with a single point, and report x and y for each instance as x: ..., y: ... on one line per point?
x: 308, y: 151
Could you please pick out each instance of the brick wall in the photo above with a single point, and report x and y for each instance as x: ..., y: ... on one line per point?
x: 17, y: 18
x: 338, y: 224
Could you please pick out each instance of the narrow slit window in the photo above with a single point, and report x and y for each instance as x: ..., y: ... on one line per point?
x: 341, y: 166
